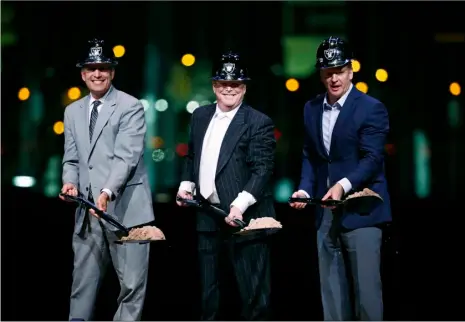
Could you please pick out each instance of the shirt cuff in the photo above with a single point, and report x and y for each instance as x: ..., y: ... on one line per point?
x: 346, y: 185
x: 108, y: 192
x: 305, y: 193
x: 243, y: 201
x: 187, y: 186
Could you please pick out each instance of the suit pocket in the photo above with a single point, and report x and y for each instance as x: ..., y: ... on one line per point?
x: 133, y: 183
x: 130, y: 183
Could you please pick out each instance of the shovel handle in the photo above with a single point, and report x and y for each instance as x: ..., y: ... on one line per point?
x: 208, y: 206
x: 99, y: 212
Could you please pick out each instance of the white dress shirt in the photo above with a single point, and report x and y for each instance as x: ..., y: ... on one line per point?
x: 99, y: 108
x: 330, y: 114
x: 209, y: 160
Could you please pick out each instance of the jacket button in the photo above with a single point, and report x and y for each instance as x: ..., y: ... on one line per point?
x: 329, y: 161
x: 87, y: 188
x: 91, y: 167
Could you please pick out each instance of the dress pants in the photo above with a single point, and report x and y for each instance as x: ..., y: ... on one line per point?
x: 251, y: 264
x: 349, y: 267
x: 94, y: 249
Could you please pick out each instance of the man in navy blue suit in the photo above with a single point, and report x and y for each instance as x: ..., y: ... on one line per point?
x: 345, y: 134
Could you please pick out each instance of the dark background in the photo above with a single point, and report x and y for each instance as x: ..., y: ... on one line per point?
x: 423, y: 247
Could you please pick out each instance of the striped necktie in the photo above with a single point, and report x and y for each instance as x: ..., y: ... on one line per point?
x: 93, y: 118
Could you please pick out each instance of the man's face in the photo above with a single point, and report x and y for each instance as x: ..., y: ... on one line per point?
x: 337, y: 81
x: 229, y: 94
x: 98, y: 78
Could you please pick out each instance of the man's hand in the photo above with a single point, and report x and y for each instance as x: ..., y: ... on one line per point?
x: 69, y: 189
x: 102, y: 203
x: 336, y: 192
x: 298, y: 205
x: 234, y: 213
x: 184, y: 195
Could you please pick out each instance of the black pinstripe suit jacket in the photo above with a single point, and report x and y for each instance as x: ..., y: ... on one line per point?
x: 246, y: 162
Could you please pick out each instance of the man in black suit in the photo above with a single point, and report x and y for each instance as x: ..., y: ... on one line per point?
x: 229, y: 163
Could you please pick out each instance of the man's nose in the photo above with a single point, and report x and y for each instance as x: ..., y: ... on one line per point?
x: 97, y: 73
x: 334, y: 77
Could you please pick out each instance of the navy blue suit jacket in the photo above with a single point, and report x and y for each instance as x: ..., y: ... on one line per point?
x: 357, y: 153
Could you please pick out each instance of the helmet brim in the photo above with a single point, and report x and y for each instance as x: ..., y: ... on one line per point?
x: 103, y: 62
x: 217, y: 78
x: 336, y: 65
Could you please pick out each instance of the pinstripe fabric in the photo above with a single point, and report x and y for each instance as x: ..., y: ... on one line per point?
x: 246, y: 162
x: 251, y: 264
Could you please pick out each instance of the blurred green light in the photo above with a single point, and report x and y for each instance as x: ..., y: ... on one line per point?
x: 421, y: 157
x: 283, y: 190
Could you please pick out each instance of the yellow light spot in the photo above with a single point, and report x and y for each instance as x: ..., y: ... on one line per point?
x: 455, y: 89
x: 157, y: 142
x: 381, y: 75
x: 58, y: 127
x: 119, y: 51
x: 24, y: 94
x: 362, y: 87
x: 74, y: 93
x: 188, y: 60
x: 292, y: 84
x: 356, y: 65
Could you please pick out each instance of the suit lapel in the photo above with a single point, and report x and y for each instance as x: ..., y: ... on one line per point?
x: 236, y: 128
x: 343, y: 117
x: 107, y: 110
x: 203, y: 122
x: 83, y: 123
x: 318, y: 110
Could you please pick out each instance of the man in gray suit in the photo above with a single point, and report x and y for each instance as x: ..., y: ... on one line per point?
x: 103, y: 159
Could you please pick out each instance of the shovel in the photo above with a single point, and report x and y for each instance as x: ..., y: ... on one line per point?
x: 108, y: 218
x: 205, y: 205
x: 362, y: 205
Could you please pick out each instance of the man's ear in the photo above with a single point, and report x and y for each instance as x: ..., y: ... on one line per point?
x: 213, y: 87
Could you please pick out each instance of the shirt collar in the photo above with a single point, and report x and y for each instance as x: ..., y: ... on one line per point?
x: 340, y: 101
x: 102, y: 100
x: 230, y: 114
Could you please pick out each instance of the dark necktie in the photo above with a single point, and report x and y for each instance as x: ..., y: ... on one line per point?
x: 93, y: 118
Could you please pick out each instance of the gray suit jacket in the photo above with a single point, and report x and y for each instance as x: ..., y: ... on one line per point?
x: 113, y: 160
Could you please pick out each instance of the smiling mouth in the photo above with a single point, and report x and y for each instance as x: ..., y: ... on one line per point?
x: 229, y: 95
x: 97, y: 81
